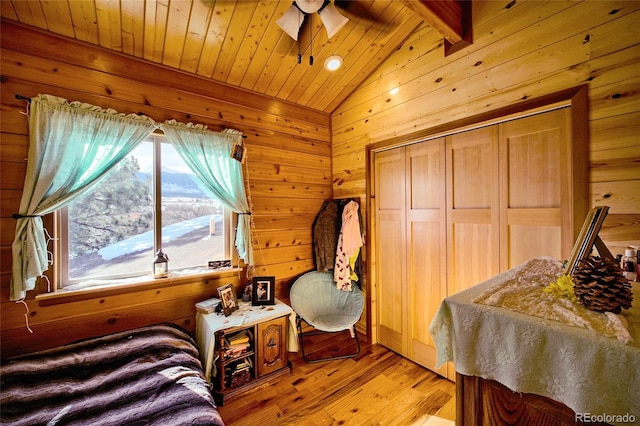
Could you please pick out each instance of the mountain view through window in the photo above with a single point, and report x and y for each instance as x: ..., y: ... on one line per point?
x: 110, y: 229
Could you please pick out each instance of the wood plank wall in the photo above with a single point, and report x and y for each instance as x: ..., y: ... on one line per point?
x: 288, y: 169
x: 521, y: 50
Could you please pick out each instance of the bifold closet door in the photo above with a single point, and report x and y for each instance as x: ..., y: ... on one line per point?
x: 410, y: 254
x: 426, y: 246
x: 536, y: 187
x: 473, y: 215
x: 455, y: 211
x: 391, y: 249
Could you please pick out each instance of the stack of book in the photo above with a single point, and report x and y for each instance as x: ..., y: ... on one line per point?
x: 241, y: 374
x: 237, y: 344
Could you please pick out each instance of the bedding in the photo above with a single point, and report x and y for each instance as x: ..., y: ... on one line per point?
x: 147, y: 376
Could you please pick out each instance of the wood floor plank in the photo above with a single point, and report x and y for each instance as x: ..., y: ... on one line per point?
x: 361, y: 403
x: 376, y: 387
x: 398, y: 414
x: 448, y: 410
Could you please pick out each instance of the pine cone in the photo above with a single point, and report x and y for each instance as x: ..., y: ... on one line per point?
x: 600, y: 285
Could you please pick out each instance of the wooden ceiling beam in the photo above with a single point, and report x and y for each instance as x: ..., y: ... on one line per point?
x: 452, y: 18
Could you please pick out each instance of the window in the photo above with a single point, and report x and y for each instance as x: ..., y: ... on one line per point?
x: 150, y: 200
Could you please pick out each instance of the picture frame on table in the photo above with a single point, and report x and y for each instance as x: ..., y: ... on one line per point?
x: 588, y: 238
x: 263, y: 291
x: 228, y: 299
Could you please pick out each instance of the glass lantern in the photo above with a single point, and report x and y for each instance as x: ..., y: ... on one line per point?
x: 161, y: 265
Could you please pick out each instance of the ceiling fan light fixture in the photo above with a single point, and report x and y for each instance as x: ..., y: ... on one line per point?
x: 309, y: 6
x: 291, y: 21
x: 332, y: 20
x: 333, y: 62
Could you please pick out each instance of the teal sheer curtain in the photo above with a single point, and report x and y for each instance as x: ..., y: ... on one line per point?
x: 208, y: 154
x: 71, y: 146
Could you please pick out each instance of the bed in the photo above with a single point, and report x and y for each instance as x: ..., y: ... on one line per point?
x: 150, y: 375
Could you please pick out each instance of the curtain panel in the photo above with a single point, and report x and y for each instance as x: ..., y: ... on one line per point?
x: 72, y: 145
x: 208, y: 156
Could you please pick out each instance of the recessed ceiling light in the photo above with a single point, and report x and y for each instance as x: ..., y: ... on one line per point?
x: 333, y: 62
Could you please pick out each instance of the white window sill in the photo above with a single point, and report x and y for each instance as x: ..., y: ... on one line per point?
x: 107, y: 288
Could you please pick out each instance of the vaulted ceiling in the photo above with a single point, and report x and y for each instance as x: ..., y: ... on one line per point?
x: 237, y: 42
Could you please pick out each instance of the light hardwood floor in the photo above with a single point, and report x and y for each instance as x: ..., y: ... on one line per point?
x: 377, y: 387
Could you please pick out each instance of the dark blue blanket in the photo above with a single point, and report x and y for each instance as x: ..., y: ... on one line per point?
x: 150, y: 375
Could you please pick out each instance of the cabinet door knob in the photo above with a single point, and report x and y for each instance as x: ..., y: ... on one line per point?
x: 271, y: 343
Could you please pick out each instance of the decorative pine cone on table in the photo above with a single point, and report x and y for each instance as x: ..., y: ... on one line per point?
x: 600, y: 285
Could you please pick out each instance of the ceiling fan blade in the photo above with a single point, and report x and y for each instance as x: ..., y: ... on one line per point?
x: 358, y: 9
x: 291, y: 21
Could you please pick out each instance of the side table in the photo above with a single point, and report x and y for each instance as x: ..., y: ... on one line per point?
x: 246, y: 348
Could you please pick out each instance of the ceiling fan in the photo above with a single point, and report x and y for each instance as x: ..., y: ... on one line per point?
x: 294, y: 18
x: 301, y: 10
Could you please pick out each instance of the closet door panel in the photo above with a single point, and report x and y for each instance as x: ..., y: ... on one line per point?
x: 390, y: 249
x: 527, y: 242
x: 473, y: 259
x: 533, y: 233
x: 425, y: 176
x: 535, y: 185
x: 391, y: 290
x: 426, y: 265
x: 472, y: 207
x: 473, y: 169
x: 533, y: 167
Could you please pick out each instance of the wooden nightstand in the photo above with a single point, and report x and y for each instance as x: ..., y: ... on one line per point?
x: 244, y: 349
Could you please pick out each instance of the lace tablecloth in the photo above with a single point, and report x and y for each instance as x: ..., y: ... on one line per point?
x: 588, y: 367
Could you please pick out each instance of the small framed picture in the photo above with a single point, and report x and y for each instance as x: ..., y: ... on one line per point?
x: 587, y: 238
x: 264, y: 289
x: 228, y: 299
x: 237, y: 152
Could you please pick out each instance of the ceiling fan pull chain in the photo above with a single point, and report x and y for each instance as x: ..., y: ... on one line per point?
x: 311, y: 40
x: 298, y: 39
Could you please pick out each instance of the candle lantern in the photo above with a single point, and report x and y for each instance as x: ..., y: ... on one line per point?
x: 161, y: 265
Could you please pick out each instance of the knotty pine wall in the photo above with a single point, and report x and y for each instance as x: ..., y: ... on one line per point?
x: 521, y: 50
x: 288, y: 169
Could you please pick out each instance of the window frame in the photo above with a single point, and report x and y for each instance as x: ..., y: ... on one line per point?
x: 61, y: 240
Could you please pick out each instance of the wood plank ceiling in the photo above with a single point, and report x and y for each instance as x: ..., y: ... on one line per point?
x: 237, y: 42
